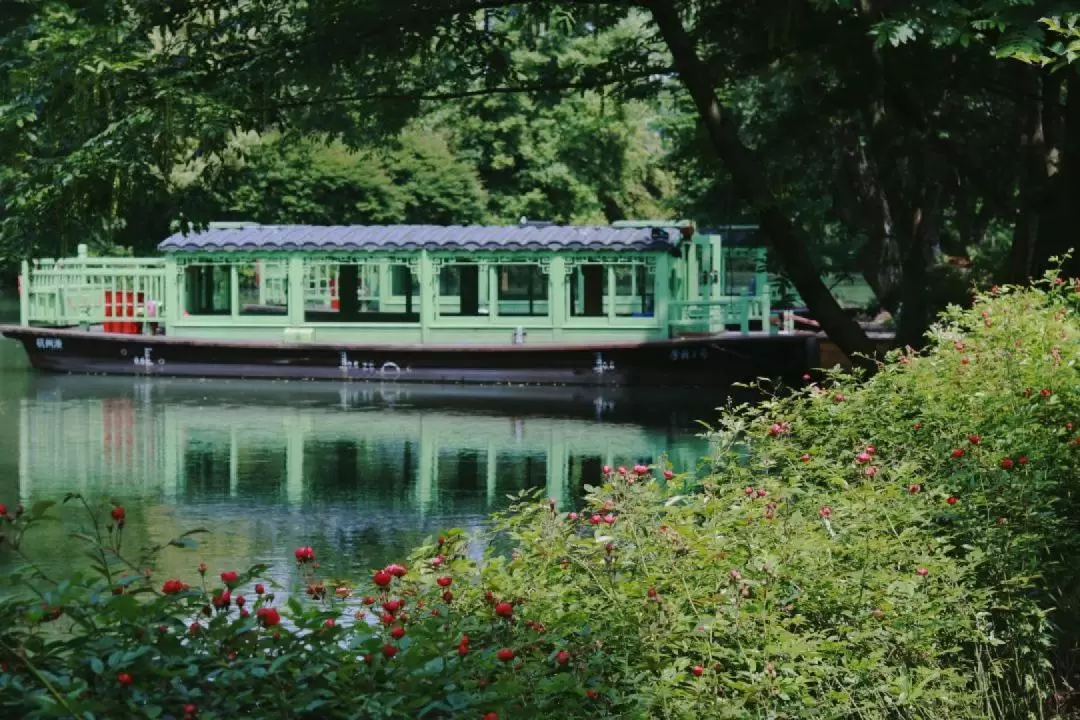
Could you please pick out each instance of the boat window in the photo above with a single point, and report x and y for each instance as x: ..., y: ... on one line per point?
x: 588, y: 290
x: 207, y: 289
x: 263, y: 287
x: 463, y: 290
x: 635, y: 290
x: 522, y: 290
x: 359, y: 292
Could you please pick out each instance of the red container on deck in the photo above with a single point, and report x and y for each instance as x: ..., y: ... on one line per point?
x: 122, y: 305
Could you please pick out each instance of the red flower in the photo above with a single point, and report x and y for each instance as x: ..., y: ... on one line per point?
x: 974, y: 439
x: 244, y: 614
x: 1022, y: 460
x: 504, y: 609
x: 396, y: 570
x: 668, y: 474
x: 505, y: 654
x: 190, y: 709
x: 595, y: 519
x: 463, y: 648
x: 913, y: 488
x: 805, y: 457
x: 259, y: 589
x: 825, y: 511
x: 749, y: 490
x: 697, y: 670
x: 268, y: 616
x: 124, y: 678
x: 922, y: 572
x: 606, y: 469
x: 392, y: 606
x: 222, y: 600
x: 862, y: 457
x: 641, y: 470
x: 389, y: 651
x: 171, y: 587
x: 3, y: 509
x: 382, y: 578
x: 445, y: 581
x: 591, y: 693
x: 917, y: 426
x: 651, y: 592
x: 330, y: 622
x: 397, y: 632
x: 491, y: 716
x: 118, y: 514
x: 194, y: 628
x: 1046, y: 392
x: 304, y: 554
x: 571, y: 516
x: 229, y: 577
x: 240, y: 600
x: 202, y: 568
x: 958, y: 453
x: 368, y: 600
x: 447, y: 596
x: 609, y: 519
x: 951, y: 500
x: 1007, y: 463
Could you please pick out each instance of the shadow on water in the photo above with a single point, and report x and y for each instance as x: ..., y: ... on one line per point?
x: 362, y: 472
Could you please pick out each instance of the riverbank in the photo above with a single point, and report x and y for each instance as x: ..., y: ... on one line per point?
x: 857, y: 548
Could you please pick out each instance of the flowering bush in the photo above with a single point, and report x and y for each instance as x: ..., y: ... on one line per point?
x: 893, y: 547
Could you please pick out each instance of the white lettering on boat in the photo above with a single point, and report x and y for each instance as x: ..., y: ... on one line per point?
x: 601, y: 367
x: 145, y: 360
x: 49, y: 344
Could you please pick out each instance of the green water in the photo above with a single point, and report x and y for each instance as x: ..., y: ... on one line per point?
x: 360, y: 472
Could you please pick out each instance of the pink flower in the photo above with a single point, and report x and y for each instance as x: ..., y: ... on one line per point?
x: 863, y: 457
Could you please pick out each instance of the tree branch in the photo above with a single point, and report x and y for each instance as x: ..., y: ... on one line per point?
x: 474, y: 92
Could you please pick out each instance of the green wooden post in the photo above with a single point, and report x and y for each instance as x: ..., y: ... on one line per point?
x: 297, y: 289
x: 611, y: 294
x: 661, y: 292
x: 234, y: 290
x: 557, y: 294
x: 174, y: 304
x: 428, y: 295
x: 24, y: 294
x: 762, y: 282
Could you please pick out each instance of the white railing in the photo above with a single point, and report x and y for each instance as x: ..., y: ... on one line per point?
x: 121, y: 293
x: 726, y: 313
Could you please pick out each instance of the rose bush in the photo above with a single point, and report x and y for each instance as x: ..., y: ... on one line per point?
x: 896, y: 547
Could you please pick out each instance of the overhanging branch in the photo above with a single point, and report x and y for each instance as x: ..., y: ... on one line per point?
x: 473, y: 92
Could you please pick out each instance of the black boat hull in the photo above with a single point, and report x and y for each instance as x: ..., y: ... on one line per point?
x: 706, y: 361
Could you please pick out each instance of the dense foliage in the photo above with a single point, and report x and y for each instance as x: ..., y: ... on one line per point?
x: 859, y: 135
x: 899, y: 547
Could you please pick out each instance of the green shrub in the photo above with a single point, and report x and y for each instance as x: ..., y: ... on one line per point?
x: 897, y: 547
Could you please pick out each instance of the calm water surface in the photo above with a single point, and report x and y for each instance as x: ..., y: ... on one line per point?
x: 361, y: 472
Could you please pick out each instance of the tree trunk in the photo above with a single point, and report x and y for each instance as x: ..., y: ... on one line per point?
x: 1057, y: 226
x: 1034, y: 171
x: 791, y: 249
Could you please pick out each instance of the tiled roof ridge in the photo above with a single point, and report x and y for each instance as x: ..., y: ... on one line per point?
x: 253, y: 237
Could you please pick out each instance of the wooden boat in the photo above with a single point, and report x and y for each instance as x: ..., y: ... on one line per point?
x: 626, y: 305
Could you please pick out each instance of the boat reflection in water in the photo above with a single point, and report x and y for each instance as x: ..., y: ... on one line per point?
x: 365, y: 471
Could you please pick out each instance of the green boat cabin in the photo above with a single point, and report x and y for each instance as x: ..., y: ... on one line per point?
x: 412, y: 284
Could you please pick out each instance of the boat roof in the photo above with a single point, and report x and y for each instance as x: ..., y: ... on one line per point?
x: 243, y: 238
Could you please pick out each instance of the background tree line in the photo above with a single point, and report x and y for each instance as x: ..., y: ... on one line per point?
x: 869, y: 136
